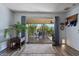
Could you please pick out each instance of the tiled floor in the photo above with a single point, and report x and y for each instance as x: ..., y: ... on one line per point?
x: 34, y: 40
x: 65, y: 50
x: 37, y: 50
x: 42, y: 50
x: 6, y: 52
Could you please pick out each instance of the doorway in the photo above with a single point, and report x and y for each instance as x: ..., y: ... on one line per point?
x: 40, y: 33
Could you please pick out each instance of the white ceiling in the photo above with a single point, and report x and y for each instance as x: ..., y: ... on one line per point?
x: 38, y: 7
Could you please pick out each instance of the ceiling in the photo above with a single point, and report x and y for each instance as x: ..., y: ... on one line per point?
x: 39, y: 7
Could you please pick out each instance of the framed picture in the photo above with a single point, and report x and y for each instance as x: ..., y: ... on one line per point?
x: 72, y: 20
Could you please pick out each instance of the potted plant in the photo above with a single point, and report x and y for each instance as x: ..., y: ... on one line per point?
x: 17, y: 27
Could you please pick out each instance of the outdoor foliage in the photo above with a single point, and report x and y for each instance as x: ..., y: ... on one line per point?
x: 31, y: 29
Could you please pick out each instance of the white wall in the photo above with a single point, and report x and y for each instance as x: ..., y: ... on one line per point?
x: 6, y: 19
x: 17, y: 17
x: 72, y: 33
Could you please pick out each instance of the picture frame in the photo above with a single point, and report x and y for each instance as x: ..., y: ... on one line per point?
x: 71, y: 20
